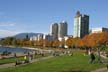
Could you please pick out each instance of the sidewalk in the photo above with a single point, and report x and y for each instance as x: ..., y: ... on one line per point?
x: 101, y: 70
x: 13, y: 64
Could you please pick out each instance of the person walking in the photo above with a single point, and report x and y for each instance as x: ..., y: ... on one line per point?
x: 99, y: 56
x: 92, y: 57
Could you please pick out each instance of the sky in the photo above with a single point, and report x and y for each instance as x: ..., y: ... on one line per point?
x: 17, y: 16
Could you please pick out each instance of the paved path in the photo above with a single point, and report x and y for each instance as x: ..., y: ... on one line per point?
x: 13, y: 64
x: 7, y: 65
x: 101, y: 70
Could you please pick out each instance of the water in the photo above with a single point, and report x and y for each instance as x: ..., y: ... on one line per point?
x: 13, y: 50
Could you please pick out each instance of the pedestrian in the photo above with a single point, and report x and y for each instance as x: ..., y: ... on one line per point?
x: 99, y: 57
x: 29, y: 56
x: 107, y: 66
x: 15, y: 55
x: 92, y: 57
x: 25, y: 57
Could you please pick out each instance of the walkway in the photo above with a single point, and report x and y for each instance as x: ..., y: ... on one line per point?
x: 101, y: 70
x: 13, y: 64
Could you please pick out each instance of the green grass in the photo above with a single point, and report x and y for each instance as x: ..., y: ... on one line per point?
x: 10, y: 60
x: 14, y: 59
x: 77, y: 62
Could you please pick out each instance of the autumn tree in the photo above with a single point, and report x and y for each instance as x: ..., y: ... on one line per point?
x: 75, y: 42
x: 56, y: 43
x: 69, y: 42
x: 102, y: 38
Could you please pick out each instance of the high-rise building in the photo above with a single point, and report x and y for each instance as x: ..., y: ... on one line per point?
x: 54, y: 30
x: 47, y: 37
x: 81, y: 25
x: 62, y: 29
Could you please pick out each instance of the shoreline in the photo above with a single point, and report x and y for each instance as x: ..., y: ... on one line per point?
x: 19, y: 47
x: 30, y: 48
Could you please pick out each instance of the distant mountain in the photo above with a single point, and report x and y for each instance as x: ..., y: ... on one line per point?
x: 23, y: 35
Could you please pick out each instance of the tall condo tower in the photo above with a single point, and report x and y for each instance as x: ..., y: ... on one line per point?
x: 81, y: 25
x: 62, y: 29
x: 54, y: 30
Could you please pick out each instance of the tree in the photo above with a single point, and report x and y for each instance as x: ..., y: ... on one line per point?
x: 69, y: 42
x: 102, y: 38
x: 81, y: 43
x: 14, y: 42
x: 75, y: 42
x: 56, y: 43
x: 7, y: 41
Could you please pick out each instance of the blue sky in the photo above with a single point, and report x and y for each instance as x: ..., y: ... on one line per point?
x: 18, y: 16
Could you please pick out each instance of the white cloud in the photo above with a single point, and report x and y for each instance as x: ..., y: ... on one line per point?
x: 5, y: 24
x: 6, y: 33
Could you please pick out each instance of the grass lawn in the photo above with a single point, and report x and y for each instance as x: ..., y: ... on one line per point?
x: 75, y: 63
x: 10, y: 60
x: 14, y: 59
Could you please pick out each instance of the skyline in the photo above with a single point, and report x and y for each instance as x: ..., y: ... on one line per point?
x: 36, y: 16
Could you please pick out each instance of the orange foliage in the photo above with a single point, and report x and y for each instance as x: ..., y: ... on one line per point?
x: 69, y: 42
x: 55, y: 43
